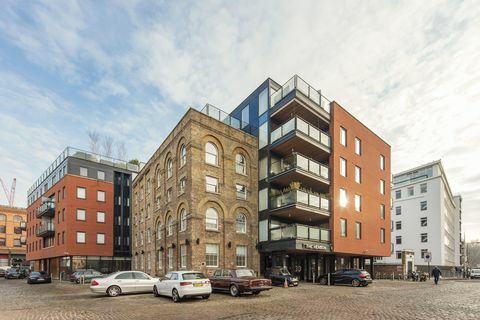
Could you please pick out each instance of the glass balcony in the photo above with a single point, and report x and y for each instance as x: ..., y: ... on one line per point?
x: 299, y: 161
x: 226, y: 118
x: 295, y: 197
x: 300, y: 125
x: 46, y: 230
x: 300, y: 232
x: 46, y: 209
x: 297, y: 83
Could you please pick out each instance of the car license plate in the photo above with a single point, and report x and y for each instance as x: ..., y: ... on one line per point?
x: 198, y: 284
x: 40, y: 279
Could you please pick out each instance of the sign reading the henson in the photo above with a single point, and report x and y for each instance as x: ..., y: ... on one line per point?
x: 319, y: 247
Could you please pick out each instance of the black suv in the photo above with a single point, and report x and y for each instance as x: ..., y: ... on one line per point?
x: 354, y: 277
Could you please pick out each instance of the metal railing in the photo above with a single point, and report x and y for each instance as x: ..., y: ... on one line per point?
x: 45, y: 228
x: 300, y: 197
x: 47, y: 205
x: 299, y: 231
x: 297, y: 83
x: 226, y: 118
x: 302, y: 126
x: 297, y: 160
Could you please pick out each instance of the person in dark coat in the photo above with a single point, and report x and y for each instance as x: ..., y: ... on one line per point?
x: 436, y: 273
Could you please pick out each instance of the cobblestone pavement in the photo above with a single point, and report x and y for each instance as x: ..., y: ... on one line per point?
x: 382, y: 300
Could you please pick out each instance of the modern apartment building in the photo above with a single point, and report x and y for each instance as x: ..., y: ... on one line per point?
x: 426, y: 217
x: 195, y: 200
x: 13, y: 237
x: 79, y: 214
x: 324, y: 181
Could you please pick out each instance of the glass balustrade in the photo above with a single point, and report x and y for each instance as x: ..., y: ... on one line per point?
x: 300, y: 197
x: 303, y: 127
x: 299, y: 84
x: 297, y: 160
x: 299, y: 231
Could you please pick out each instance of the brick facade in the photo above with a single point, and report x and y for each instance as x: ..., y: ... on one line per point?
x: 151, y: 241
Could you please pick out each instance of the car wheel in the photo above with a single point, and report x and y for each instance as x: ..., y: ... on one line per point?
x: 175, y: 296
x: 234, y: 290
x: 355, y: 283
x: 114, y: 291
x: 155, y: 292
x: 206, y: 296
x: 323, y: 281
x: 77, y: 281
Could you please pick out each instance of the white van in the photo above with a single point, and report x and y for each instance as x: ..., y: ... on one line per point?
x: 474, y: 273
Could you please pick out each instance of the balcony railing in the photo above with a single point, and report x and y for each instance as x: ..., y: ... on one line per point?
x: 299, y: 84
x: 301, y: 232
x: 224, y: 117
x: 299, y: 161
x: 302, y: 126
x: 300, y: 197
x: 45, y: 229
x: 46, y: 207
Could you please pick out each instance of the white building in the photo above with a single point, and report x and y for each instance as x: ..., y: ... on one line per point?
x: 426, y: 217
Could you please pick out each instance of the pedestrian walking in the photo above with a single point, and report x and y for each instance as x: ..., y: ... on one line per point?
x: 436, y: 273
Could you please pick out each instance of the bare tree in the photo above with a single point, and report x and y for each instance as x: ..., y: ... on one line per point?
x: 94, y: 140
x: 121, y: 150
x: 107, y: 144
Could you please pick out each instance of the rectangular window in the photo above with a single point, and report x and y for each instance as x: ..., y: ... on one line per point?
x: 358, y: 230
x: 423, y: 188
x: 382, y: 211
x: 211, y: 184
x: 424, y: 237
x: 343, y: 197
x: 423, y: 252
x: 81, y: 214
x: 343, y: 137
x: 410, y: 191
x: 81, y: 193
x: 398, y: 210
x: 398, y: 240
x: 100, y: 175
x: 241, y: 256
x: 263, y: 135
x: 399, y: 254
x: 100, y: 238
x: 241, y: 192
x: 382, y: 235
x: 263, y: 101
x: 170, y: 258
x: 169, y: 195
x: 358, y: 203
x: 423, y: 205
x: 81, y: 237
x: 343, y: 227
x: 100, y: 216
x: 83, y: 172
x: 211, y: 255
x: 183, y: 256
x: 245, y: 116
x: 382, y: 186
x: 262, y: 199
x: 423, y: 222
x: 382, y: 162
x: 398, y: 194
x: 159, y: 260
x: 343, y: 167
x: 183, y: 183
x: 358, y: 174
x: 398, y: 225
x: 358, y: 146
x: 100, y: 196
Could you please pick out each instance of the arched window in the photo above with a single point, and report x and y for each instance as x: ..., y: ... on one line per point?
x: 169, y: 226
x: 3, y: 217
x: 159, y: 231
x: 211, y: 153
x: 183, y: 155
x: 17, y: 218
x: 183, y: 220
x: 169, y: 168
x: 240, y: 164
x: 241, y: 223
x: 211, y: 219
x: 159, y: 179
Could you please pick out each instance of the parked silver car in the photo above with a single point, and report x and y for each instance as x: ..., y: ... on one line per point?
x: 123, y: 282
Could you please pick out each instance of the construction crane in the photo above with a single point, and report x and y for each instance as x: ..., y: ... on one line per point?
x: 10, y: 195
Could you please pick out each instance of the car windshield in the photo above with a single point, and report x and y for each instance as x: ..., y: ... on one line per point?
x: 193, y: 276
x: 284, y: 272
x: 245, y: 273
x: 12, y: 270
x: 35, y: 274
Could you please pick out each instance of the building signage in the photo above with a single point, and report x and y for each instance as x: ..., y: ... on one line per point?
x: 310, y: 246
x: 428, y: 257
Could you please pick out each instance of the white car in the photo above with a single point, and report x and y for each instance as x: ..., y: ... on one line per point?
x: 123, y: 282
x: 474, y: 273
x: 182, y: 284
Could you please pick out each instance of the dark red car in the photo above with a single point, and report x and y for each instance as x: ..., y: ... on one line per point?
x: 238, y: 281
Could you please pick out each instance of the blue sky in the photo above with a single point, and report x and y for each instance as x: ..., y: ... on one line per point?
x: 407, y: 69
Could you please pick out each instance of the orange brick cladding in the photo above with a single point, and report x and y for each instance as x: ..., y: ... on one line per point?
x: 70, y: 225
x: 369, y: 188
